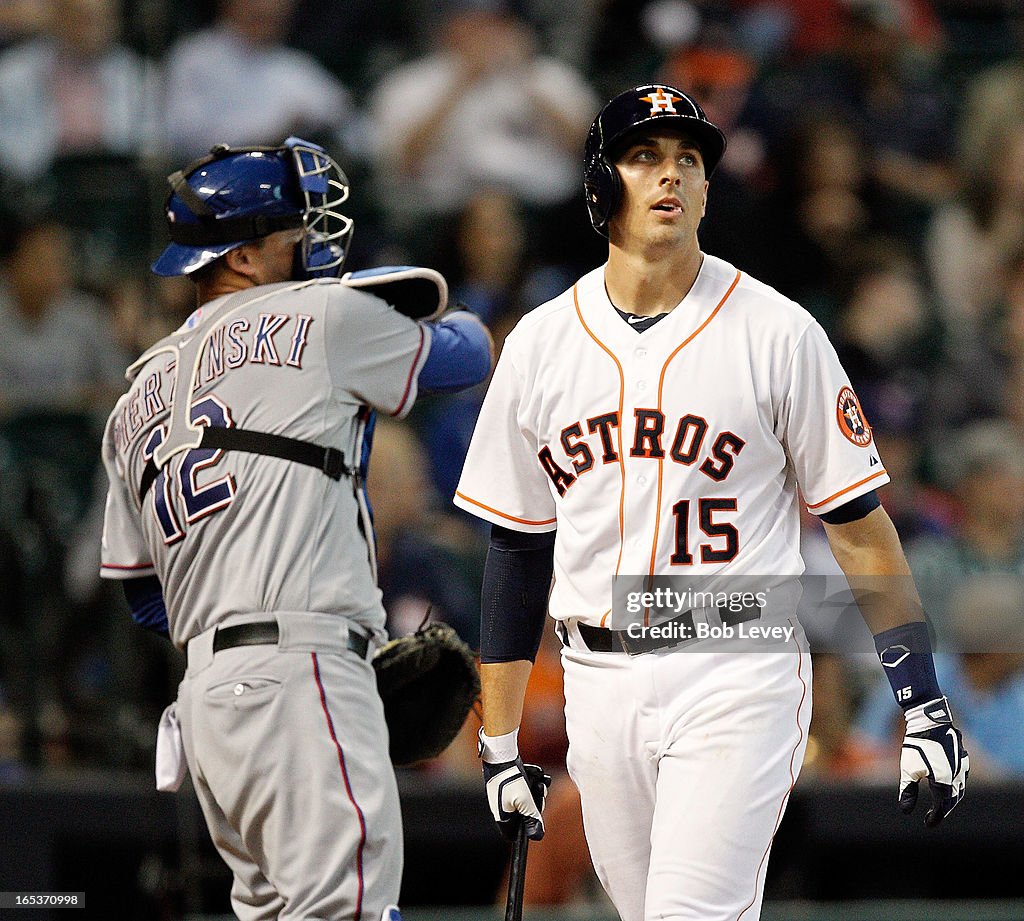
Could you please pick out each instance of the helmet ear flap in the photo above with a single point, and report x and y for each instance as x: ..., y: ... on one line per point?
x: 603, y: 188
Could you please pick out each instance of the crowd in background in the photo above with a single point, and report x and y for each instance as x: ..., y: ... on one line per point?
x: 874, y: 173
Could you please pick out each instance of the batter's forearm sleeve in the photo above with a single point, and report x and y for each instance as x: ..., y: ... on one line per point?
x: 145, y: 598
x: 514, y: 602
x: 460, y: 354
x: 906, y: 656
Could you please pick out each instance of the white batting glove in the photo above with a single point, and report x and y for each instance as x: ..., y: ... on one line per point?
x: 508, y: 790
x: 933, y: 750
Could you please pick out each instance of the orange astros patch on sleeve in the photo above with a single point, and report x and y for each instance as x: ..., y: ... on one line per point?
x: 850, y: 417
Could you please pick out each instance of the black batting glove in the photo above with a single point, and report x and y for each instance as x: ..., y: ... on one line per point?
x: 511, y: 801
x: 933, y: 750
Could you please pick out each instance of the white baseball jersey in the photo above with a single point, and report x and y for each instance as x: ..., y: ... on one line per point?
x: 304, y: 360
x: 676, y: 450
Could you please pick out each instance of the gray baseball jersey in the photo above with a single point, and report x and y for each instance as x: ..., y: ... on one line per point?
x: 303, y: 360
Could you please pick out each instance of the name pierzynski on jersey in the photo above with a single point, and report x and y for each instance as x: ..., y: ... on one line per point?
x: 688, y: 438
x: 273, y: 340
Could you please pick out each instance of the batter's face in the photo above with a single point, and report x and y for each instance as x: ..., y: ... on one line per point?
x: 664, y: 192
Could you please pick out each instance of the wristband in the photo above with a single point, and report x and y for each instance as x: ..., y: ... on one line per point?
x: 906, y: 656
x: 499, y: 749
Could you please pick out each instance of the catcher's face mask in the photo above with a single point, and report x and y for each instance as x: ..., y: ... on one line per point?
x: 236, y: 195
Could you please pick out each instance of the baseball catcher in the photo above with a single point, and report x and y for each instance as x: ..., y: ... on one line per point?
x: 237, y: 522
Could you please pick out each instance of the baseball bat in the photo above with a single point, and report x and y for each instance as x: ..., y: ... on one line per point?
x: 539, y: 783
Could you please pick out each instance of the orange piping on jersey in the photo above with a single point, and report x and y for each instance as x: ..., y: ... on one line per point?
x: 843, y: 492
x: 494, y: 511
x: 118, y: 568
x: 412, y: 373
x: 622, y: 462
x: 661, y: 391
x: 792, y: 775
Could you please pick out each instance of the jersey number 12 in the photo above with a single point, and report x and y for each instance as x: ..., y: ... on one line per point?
x: 198, y: 501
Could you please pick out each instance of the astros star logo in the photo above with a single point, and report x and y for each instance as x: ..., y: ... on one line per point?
x: 662, y: 102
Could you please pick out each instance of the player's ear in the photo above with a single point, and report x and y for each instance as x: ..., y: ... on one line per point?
x: 242, y: 259
x: 704, y: 201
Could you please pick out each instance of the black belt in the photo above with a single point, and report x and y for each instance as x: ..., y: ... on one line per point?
x: 599, y: 639
x: 266, y: 633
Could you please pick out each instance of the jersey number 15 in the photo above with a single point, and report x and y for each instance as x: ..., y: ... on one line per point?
x: 709, y: 553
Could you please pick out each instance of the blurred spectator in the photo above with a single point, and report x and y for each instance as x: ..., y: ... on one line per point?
x: 790, y: 28
x: 56, y: 346
x: 975, y: 247
x: 490, y: 254
x: 1008, y: 336
x: 898, y: 108
x: 886, y: 334
x: 353, y: 40
x: 823, y: 208
x: 978, y: 33
x: 21, y: 18
x: 982, y: 673
x: 426, y: 559
x: 972, y: 241
x: 74, y: 90
x: 878, y: 84
x: 984, y: 469
x: 992, y: 100
x: 800, y: 28
x: 237, y: 83
x: 484, y: 109
x: 632, y: 39
x: 144, y: 310
x: 567, y: 29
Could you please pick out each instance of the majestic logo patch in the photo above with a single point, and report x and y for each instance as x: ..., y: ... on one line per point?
x: 662, y: 103
x: 851, y: 419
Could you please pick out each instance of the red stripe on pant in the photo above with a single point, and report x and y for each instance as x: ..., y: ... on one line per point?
x: 348, y: 788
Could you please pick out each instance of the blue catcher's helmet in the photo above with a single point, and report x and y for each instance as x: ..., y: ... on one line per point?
x: 236, y: 195
x: 633, y: 109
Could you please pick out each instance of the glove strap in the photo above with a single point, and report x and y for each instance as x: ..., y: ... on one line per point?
x: 498, y: 749
x: 931, y: 715
x: 906, y: 656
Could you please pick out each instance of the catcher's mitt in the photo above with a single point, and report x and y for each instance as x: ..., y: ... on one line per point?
x: 428, y: 681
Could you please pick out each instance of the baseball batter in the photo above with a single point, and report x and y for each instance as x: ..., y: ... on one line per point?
x: 659, y: 418
x: 237, y: 521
